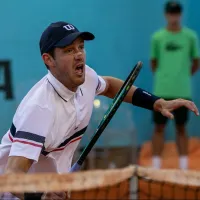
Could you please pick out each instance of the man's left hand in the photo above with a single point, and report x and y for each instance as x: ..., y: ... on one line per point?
x: 166, y: 107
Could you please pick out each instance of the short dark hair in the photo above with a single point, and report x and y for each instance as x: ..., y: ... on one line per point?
x: 173, y: 7
x: 52, y: 54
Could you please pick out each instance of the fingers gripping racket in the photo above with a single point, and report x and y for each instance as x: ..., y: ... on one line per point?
x: 108, y: 115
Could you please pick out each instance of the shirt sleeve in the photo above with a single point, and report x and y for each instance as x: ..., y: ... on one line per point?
x: 154, y: 48
x: 29, y: 131
x: 101, y: 85
x: 195, y: 47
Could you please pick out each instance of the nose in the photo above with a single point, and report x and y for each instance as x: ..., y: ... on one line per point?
x: 78, y: 56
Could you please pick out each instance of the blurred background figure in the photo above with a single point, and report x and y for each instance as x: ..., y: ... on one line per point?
x: 174, y: 59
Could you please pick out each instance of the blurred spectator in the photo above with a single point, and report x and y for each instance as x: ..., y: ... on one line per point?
x: 174, y: 59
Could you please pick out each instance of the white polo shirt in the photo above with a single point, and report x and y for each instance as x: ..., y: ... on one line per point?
x: 50, y: 122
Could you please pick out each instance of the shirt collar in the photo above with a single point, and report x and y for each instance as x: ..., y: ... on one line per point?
x: 60, y: 89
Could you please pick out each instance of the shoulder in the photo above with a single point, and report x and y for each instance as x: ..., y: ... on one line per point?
x: 39, y: 97
x: 90, y: 71
x: 158, y: 34
x: 91, y: 79
x: 190, y: 33
x: 33, y: 117
x: 90, y: 74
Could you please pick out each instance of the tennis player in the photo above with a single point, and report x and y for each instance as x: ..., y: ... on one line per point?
x: 52, y: 118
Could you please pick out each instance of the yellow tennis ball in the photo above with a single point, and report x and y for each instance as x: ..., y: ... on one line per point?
x: 97, y: 103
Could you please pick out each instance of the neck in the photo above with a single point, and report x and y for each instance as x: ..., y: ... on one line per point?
x: 65, y: 82
x: 173, y: 27
x: 73, y: 89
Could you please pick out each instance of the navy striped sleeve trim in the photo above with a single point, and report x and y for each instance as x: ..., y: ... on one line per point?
x: 26, y: 137
x: 13, y: 130
x: 30, y: 136
x: 73, y: 138
x: 99, y: 85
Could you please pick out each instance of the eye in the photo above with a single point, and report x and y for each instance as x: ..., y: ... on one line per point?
x: 81, y: 47
x: 69, y: 50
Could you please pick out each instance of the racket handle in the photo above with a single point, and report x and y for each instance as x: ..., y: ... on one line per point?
x: 75, y: 167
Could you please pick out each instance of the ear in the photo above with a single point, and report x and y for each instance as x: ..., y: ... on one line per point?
x: 48, y: 60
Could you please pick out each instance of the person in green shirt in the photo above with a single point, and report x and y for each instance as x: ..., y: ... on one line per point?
x: 174, y: 59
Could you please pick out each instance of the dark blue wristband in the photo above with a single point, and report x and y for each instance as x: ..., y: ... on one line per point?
x: 144, y: 99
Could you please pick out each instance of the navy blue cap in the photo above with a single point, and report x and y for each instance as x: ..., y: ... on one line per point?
x: 61, y: 34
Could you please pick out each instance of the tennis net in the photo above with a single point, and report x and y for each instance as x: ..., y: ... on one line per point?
x: 132, y: 182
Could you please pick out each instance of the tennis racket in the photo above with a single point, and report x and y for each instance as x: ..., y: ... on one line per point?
x: 108, y: 115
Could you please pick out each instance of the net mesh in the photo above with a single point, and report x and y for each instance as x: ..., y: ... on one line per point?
x: 168, y: 184
x: 132, y: 182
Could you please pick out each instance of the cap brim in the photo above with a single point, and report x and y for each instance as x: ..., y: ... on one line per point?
x: 73, y: 36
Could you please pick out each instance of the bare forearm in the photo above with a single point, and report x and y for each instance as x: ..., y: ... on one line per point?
x: 136, y: 96
x: 114, y: 85
x: 15, y: 165
x: 18, y: 195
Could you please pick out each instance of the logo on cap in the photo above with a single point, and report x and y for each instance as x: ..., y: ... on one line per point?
x: 69, y: 27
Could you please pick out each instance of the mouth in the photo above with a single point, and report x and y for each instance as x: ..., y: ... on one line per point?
x: 79, y: 69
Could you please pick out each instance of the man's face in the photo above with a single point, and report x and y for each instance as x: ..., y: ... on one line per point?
x: 173, y: 18
x: 68, y: 64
